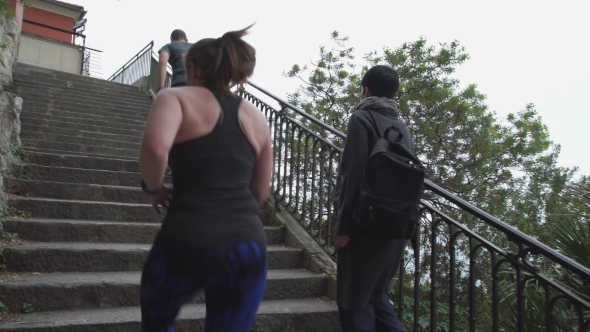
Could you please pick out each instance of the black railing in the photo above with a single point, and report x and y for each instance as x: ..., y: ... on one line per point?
x: 492, y: 277
x: 452, y: 278
x: 142, y: 66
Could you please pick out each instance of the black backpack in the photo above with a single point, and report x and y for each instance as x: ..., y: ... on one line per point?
x: 391, y: 187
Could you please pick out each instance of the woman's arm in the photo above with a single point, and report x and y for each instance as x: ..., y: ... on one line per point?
x: 158, y: 137
x: 262, y: 173
x: 162, y: 66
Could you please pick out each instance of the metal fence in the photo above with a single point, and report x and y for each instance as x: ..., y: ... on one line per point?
x: 452, y: 278
x: 143, y: 65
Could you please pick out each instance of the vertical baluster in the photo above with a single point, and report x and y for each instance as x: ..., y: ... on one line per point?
x: 452, y: 279
x: 581, y: 325
x: 495, y: 290
x: 306, y: 177
x: 548, y: 309
x: 330, y: 220
x: 433, y: 261
x: 298, y: 170
x: 279, y: 143
x: 291, y: 166
x: 313, y: 184
x: 321, y: 195
x: 285, y: 140
x: 472, y: 252
x: 519, y: 301
x: 273, y: 128
x: 416, y: 244
x: 400, y: 286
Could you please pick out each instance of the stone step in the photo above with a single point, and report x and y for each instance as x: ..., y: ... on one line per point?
x: 73, y: 132
x: 35, y: 73
x: 90, y: 102
x: 23, y: 84
x: 95, y: 115
x: 59, y: 138
x: 72, y: 101
x: 41, y: 90
x: 86, y: 149
x: 78, y: 175
x: 84, y: 162
x: 73, y: 291
x: 45, y: 106
x: 66, y: 230
x: 82, y: 107
x: 26, y: 121
x: 81, y: 154
x: 85, y: 210
x: 105, y: 122
x: 107, y: 257
x: 301, y: 315
x: 74, y: 191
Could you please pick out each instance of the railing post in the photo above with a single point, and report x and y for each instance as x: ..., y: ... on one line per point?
x: 433, y: 280
x: 495, y: 290
x: 452, y: 279
x: 416, y: 244
x: 472, y: 251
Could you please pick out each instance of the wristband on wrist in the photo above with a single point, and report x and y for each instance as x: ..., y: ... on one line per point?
x: 148, y: 191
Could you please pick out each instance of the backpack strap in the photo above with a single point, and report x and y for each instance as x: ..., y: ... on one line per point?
x: 387, y: 130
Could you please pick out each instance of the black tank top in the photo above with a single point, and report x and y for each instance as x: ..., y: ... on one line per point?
x: 212, y: 203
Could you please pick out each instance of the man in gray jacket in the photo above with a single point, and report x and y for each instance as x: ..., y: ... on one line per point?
x: 366, y: 263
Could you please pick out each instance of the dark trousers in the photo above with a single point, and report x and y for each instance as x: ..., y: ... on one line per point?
x: 378, y: 316
x: 232, y: 275
x: 178, y: 84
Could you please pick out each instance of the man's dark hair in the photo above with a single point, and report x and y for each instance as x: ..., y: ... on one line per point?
x: 383, y: 81
x: 178, y: 35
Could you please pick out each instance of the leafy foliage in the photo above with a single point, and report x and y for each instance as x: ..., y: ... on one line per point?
x: 17, y: 152
x: 6, y: 11
x: 27, y: 308
x: 10, y: 211
x: 505, y: 166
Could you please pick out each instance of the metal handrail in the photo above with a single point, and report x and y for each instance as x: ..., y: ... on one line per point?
x: 301, y: 112
x: 513, y: 233
x: 304, y: 180
x: 148, y: 47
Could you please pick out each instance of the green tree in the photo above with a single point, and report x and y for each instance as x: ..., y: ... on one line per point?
x: 507, y: 167
x: 6, y: 11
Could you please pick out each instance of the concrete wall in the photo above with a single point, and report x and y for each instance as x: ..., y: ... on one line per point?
x: 47, y: 53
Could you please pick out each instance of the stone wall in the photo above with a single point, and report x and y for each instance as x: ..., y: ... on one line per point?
x: 10, y: 105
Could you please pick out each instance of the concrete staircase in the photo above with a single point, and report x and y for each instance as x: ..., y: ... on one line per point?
x: 91, y: 228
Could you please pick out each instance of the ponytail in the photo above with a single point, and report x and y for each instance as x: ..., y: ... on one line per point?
x: 223, y: 62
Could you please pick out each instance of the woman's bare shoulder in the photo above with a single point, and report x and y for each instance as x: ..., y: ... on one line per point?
x: 251, y: 111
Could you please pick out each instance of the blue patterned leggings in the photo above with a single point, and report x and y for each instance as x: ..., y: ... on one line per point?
x: 232, y: 275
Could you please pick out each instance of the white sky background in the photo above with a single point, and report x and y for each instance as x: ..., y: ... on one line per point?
x: 521, y: 51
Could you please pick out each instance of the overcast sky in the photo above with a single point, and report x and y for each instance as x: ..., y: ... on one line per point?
x: 521, y: 51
